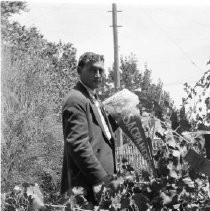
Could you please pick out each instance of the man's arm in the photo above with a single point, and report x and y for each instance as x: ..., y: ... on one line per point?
x: 77, y: 137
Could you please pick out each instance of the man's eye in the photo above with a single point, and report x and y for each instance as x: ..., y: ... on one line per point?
x: 101, y: 71
x: 98, y: 69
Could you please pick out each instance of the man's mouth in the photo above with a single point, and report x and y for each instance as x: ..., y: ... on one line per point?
x: 97, y: 81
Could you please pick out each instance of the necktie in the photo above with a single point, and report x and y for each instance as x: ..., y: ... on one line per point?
x: 104, y: 116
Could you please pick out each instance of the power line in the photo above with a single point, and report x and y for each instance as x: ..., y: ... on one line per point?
x: 179, y: 83
x: 189, y: 18
x: 170, y: 39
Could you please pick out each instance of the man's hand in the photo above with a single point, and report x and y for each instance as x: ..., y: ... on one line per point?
x: 97, y: 188
x: 97, y: 192
x: 106, y: 180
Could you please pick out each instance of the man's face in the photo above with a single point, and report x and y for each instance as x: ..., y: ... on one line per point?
x: 91, y: 74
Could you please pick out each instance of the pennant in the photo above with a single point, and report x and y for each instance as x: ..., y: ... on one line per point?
x: 123, y: 107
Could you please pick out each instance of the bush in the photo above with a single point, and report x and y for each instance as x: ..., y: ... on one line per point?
x: 36, y: 74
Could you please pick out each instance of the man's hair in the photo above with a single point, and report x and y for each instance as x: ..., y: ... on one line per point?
x: 89, y: 58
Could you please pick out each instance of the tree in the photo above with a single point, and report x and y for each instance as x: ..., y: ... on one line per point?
x: 8, y: 8
x: 130, y: 75
x: 196, y: 103
x: 194, y: 112
x: 152, y: 97
x: 28, y: 123
x: 150, y: 94
x: 146, y: 80
x: 36, y: 74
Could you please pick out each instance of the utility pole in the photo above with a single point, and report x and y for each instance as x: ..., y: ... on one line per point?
x: 116, y: 62
x: 116, y: 47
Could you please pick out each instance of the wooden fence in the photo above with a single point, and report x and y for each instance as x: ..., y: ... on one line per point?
x: 134, y: 157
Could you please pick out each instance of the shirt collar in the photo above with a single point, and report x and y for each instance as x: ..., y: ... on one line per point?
x: 90, y: 91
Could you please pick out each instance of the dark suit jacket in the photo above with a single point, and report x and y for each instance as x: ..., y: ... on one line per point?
x: 88, y: 155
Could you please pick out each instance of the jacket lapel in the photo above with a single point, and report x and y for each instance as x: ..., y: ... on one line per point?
x: 97, y: 116
x: 109, y: 126
x: 94, y: 109
x: 98, y: 119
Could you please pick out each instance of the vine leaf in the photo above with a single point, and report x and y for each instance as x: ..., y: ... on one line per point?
x: 36, y: 195
x: 141, y: 201
x: 125, y: 202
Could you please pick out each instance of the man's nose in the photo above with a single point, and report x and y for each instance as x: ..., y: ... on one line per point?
x: 97, y: 74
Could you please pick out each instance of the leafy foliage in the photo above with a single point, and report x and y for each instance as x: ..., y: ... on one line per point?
x: 194, y: 112
x: 23, y: 198
x: 175, y: 187
x: 36, y: 74
x: 8, y: 8
x: 200, y: 95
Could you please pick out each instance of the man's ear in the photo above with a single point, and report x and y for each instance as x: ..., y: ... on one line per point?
x: 79, y: 70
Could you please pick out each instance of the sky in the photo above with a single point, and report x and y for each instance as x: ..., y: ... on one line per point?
x: 173, y: 39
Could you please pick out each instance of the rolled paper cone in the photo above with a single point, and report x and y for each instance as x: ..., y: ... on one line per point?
x: 123, y: 107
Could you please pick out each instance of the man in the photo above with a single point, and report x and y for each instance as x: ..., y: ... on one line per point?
x: 89, y: 148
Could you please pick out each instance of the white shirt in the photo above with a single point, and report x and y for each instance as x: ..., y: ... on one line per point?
x: 92, y: 93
